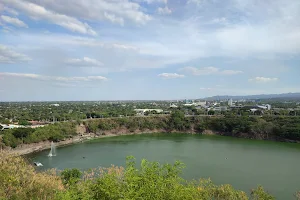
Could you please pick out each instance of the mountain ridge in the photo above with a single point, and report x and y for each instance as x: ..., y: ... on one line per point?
x: 287, y: 96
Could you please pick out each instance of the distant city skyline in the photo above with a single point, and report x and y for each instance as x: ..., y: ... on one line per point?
x: 147, y: 49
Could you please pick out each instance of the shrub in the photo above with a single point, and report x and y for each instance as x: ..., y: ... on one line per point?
x: 149, y: 181
x: 70, y: 176
x: 20, y: 181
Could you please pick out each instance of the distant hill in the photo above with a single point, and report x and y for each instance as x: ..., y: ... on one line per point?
x: 285, y: 96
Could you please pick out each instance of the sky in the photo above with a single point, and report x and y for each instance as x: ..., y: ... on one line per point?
x: 147, y: 49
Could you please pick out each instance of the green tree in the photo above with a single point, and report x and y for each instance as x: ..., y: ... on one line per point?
x: 211, y: 112
x: 177, y: 121
x: 22, y: 132
x: 70, y: 176
x: 5, y: 121
x: 10, y: 140
x: 262, y: 127
x: 24, y: 123
x: 260, y: 194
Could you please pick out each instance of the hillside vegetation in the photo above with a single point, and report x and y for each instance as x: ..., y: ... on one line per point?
x: 282, y: 128
x: 149, y: 181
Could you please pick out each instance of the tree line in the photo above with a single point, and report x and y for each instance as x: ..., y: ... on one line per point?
x: 54, y: 132
x: 267, y: 127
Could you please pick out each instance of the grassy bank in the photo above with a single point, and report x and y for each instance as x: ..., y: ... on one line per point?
x: 151, y: 180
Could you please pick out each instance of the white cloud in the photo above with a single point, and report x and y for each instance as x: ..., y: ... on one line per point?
x: 201, y: 71
x: 113, y: 18
x: 115, y: 11
x: 14, y: 21
x: 231, y: 72
x: 208, y: 71
x: 82, y: 41
x: 263, y: 79
x: 74, y: 79
x: 164, y: 11
x: 206, y: 88
x: 197, y: 2
x: 38, y: 12
x: 10, y: 11
x: 153, y: 1
x: 86, y: 61
x: 9, y: 56
x: 221, y: 20
x: 170, y: 75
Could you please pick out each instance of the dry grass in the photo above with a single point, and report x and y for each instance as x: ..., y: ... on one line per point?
x: 100, y: 172
x: 20, y: 181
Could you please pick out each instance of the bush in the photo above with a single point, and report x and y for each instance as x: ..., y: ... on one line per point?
x: 70, y: 176
x: 10, y: 140
x: 152, y: 181
x: 20, y: 181
x: 149, y: 181
x: 54, y: 132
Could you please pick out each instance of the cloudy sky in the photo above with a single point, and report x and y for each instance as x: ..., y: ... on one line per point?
x: 147, y: 49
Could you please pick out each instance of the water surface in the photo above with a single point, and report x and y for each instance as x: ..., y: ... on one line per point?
x: 239, y: 162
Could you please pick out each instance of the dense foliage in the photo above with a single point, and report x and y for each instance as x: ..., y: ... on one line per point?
x: 152, y: 180
x: 267, y: 127
x: 19, y: 180
x: 22, y: 112
x: 53, y: 132
x: 70, y: 176
x: 256, y: 127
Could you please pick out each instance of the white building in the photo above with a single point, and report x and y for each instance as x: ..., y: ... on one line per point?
x: 265, y: 106
x: 201, y: 103
x: 173, y: 106
x: 10, y: 126
x: 189, y: 104
x: 142, y: 111
x: 230, y: 102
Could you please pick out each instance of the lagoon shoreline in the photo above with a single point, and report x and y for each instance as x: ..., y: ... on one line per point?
x: 83, y: 136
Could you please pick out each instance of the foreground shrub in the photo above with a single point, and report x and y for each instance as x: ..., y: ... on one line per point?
x: 149, y: 181
x: 70, y: 176
x: 19, y: 180
x: 152, y: 180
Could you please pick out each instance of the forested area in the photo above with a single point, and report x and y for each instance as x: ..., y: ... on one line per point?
x: 45, y: 112
x: 279, y: 128
x: 268, y: 127
x: 53, y: 132
x: 65, y: 111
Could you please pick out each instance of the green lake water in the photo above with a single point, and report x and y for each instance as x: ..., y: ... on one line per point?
x: 240, y: 162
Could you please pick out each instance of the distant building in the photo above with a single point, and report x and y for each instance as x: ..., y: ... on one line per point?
x: 230, y: 102
x: 200, y: 103
x: 173, y: 106
x: 221, y: 108
x: 188, y: 104
x: 253, y: 110
x: 188, y: 101
x: 142, y: 111
x: 10, y: 126
x: 265, y: 106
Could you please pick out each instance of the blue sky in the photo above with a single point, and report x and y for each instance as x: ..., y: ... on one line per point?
x: 147, y: 49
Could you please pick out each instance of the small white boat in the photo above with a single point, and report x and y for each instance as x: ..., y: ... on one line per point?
x: 38, y: 164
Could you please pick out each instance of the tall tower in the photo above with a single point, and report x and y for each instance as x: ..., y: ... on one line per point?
x: 230, y: 102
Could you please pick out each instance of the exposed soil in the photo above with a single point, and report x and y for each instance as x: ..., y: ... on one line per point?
x: 83, y: 135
